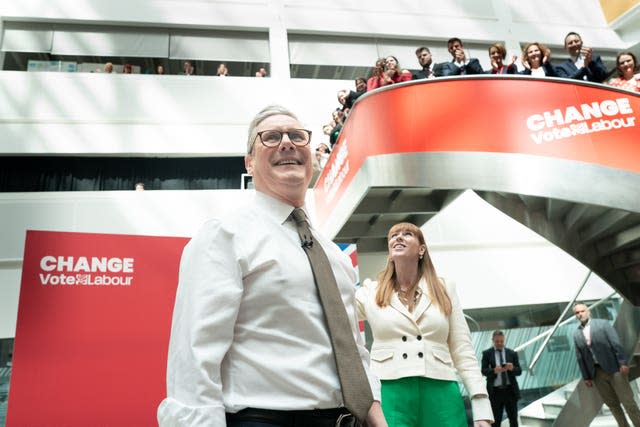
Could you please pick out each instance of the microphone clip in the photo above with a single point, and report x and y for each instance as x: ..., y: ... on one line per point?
x: 307, y: 244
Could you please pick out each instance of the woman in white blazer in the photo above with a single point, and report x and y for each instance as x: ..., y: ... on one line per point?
x: 420, y: 340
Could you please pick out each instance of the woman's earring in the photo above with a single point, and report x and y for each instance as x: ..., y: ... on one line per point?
x: 421, y: 256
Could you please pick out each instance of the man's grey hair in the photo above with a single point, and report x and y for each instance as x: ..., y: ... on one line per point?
x: 268, y: 111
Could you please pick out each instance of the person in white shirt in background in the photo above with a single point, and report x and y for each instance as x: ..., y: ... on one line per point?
x: 249, y: 342
x: 322, y: 154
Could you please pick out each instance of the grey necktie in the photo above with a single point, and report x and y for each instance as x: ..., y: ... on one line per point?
x: 356, y: 391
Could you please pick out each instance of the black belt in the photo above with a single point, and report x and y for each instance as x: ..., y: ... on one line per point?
x: 338, y: 417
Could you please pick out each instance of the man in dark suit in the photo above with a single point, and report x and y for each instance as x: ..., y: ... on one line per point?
x: 602, y: 362
x: 426, y: 62
x: 583, y: 64
x: 460, y: 64
x: 501, y: 366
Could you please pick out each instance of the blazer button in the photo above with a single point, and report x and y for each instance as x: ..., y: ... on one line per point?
x: 420, y: 355
x: 404, y: 338
x: 404, y: 355
x: 419, y: 337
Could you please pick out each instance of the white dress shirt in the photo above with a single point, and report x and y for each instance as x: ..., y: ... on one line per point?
x: 500, y: 359
x: 248, y: 329
x: 586, y: 331
x: 579, y: 63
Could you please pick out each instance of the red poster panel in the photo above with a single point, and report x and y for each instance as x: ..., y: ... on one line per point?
x: 94, y: 320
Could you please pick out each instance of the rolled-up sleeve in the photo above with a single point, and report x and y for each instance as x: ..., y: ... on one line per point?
x: 361, y: 297
x: 461, y: 348
x: 205, y: 311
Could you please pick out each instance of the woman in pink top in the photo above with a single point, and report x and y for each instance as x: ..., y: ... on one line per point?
x: 391, y: 74
x: 628, y: 76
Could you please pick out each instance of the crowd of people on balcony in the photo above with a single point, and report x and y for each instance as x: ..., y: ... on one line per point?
x: 188, y: 69
x: 583, y: 64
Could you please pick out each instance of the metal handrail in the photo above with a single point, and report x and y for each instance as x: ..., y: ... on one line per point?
x: 557, y: 324
x: 472, y: 320
x: 564, y: 322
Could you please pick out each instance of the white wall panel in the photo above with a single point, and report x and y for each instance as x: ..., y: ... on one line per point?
x: 244, y: 47
x: 189, y: 13
x: 9, y: 294
x: 550, y: 24
x: 98, y: 42
x: 18, y: 37
x: 102, y: 114
x: 332, y: 50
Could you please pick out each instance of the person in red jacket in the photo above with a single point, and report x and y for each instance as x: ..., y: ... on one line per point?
x: 392, y: 73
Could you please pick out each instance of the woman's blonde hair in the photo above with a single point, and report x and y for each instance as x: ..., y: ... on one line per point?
x: 387, y: 281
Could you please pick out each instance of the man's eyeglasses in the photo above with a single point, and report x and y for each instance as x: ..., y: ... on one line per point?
x: 273, y: 138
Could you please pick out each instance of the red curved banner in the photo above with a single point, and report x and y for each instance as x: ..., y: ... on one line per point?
x: 549, y: 117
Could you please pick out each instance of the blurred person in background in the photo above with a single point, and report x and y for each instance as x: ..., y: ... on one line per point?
x: 391, y: 73
x: 322, y: 154
x: 376, y: 74
x: 497, y: 55
x: 347, y: 97
x: 222, y: 70
x: 582, y: 64
x: 603, y: 363
x: 501, y: 366
x: 460, y: 64
x: 426, y: 62
x: 628, y: 76
x: 536, y: 60
x: 187, y: 68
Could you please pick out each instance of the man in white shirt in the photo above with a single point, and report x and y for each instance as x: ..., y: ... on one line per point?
x: 249, y: 342
x: 603, y: 363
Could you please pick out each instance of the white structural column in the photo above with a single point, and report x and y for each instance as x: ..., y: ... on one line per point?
x: 505, y: 23
x: 2, y: 54
x: 278, y: 43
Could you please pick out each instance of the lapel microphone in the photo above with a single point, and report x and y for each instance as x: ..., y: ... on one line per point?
x: 307, y: 244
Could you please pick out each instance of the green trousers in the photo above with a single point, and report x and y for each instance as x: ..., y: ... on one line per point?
x: 422, y: 402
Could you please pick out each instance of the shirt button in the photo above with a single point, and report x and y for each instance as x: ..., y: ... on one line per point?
x: 420, y: 355
x: 404, y: 338
x: 419, y: 337
x: 404, y: 356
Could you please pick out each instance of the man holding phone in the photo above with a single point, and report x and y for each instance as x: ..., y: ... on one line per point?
x: 501, y: 366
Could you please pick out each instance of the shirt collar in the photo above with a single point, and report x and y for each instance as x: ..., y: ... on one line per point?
x: 274, y: 208
x: 581, y: 326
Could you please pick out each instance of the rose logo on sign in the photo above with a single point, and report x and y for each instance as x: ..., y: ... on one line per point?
x: 93, y: 271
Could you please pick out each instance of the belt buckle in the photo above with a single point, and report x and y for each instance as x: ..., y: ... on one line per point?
x: 346, y: 420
